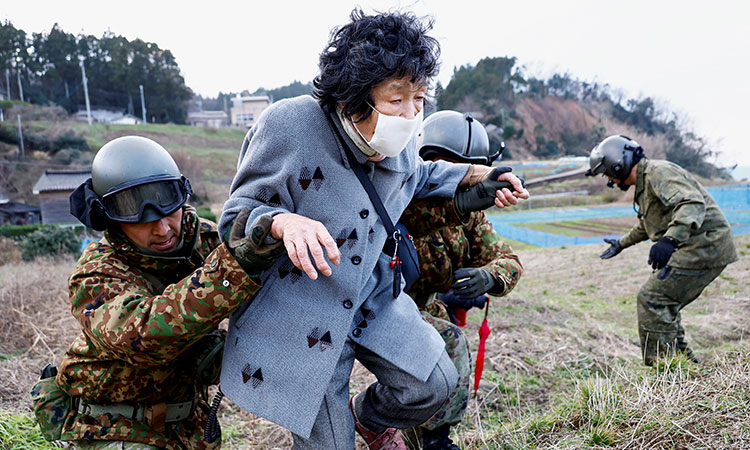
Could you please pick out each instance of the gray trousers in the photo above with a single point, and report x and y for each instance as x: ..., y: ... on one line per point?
x: 396, y: 400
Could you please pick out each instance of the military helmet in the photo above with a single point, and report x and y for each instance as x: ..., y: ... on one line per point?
x: 614, y: 157
x: 456, y: 136
x: 137, y: 180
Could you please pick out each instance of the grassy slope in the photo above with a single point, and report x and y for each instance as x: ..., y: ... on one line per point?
x: 562, y: 366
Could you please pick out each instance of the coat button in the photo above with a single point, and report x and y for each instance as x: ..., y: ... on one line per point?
x: 364, y: 213
x: 356, y: 260
x: 225, y: 283
x: 348, y: 304
x: 357, y: 332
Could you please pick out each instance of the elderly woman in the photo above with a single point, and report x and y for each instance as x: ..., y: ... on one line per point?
x: 289, y: 355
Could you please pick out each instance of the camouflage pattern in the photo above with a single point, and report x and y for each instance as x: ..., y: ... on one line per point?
x: 143, y: 319
x: 671, y: 202
x: 457, y: 347
x: 51, y: 407
x: 112, y: 445
x: 446, y: 242
x: 659, y: 305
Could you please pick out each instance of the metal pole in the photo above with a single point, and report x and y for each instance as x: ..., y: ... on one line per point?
x: 20, y: 136
x: 86, y: 91
x: 143, y: 104
x: 20, y: 86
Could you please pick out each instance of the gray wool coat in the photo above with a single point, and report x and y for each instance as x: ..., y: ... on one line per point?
x: 282, y: 348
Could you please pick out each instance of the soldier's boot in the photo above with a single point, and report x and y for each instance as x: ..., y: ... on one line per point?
x: 438, y: 439
x: 390, y: 439
x: 683, y: 348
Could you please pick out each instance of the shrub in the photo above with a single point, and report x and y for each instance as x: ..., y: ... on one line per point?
x: 18, y: 232
x: 50, y: 241
x: 70, y: 140
x: 206, y: 213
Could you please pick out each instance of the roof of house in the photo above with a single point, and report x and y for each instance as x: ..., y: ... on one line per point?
x: 207, y: 115
x: 17, y: 208
x: 60, y: 180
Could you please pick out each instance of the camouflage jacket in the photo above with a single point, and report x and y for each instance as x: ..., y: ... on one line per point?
x: 140, y: 318
x: 670, y: 202
x: 445, y: 243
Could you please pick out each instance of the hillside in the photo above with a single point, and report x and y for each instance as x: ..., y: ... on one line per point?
x: 563, y: 116
x: 207, y: 156
x: 562, y: 370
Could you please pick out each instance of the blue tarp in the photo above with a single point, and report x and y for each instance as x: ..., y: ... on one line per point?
x: 733, y: 200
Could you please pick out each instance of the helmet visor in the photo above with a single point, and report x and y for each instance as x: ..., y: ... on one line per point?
x: 596, y: 163
x: 128, y: 205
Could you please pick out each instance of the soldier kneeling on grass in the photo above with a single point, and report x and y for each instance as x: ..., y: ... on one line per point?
x: 149, y: 297
x: 461, y: 257
x: 693, y: 239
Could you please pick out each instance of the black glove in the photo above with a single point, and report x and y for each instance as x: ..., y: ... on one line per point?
x: 660, y: 252
x: 452, y: 301
x: 471, y: 283
x: 614, y: 249
x: 251, y: 252
x: 482, y: 195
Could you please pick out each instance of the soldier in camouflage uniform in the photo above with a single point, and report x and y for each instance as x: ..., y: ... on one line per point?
x: 455, y: 245
x: 149, y: 297
x: 693, y: 240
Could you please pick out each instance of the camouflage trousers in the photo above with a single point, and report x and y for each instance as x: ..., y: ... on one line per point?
x: 457, y: 347
x: 659, y: 304
x: 111, y: 445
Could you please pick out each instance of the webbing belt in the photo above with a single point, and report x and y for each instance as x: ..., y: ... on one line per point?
x: 175, y: 412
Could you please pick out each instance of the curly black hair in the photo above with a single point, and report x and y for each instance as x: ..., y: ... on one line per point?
x: 369, y: 50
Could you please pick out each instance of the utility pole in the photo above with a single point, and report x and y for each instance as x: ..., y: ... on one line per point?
x: 86, y: 90
x: 20, y: 86
x: 20, y: 136
x: 143, y: 104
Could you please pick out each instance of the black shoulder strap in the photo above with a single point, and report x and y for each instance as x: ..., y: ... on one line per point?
x: 362, y: 176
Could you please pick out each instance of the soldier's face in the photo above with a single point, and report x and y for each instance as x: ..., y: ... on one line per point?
x: 161, y: 235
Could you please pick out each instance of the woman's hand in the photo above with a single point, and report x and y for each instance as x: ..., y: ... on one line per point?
x: 303, y: 237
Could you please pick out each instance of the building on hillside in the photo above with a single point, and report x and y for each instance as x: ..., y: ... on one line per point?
x: 246, y: 109
x: 208, y: 119
x: 107, y: 116
x: 15, y: 213
x: 53, y: 188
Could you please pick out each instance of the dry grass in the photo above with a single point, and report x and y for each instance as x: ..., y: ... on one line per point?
x: 563, y: 367
x: 35, y: 325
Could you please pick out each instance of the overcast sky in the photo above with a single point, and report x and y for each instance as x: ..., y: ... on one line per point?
x: 694, y: 56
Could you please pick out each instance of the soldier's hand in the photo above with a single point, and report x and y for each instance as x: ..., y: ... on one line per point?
x: 250, y: 251
x: 472, y: 282
x: 660, y: 252
x: 614, y: 248
x: 452, y: 301
x: 499, y: 187
x: 303, y: 237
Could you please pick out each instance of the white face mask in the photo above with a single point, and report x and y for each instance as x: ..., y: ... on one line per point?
x: 392, y: 133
